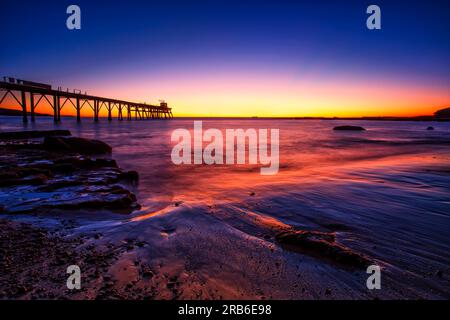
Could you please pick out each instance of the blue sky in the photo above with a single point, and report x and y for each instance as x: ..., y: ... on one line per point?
x: 323, y: 39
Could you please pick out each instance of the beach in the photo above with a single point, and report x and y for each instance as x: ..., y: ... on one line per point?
x: 340, y: 201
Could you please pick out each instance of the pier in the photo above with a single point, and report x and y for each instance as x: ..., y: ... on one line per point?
x: 58, y: 99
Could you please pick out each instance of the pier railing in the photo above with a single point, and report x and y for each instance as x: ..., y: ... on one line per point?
x: 58, y: 99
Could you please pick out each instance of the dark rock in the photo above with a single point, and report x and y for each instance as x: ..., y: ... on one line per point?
x: 148, y: 274
x: 35, y: 180
x: 170, y: 285
x: 121, y: 202
x: 72, y: 181
x: 349, y: 128
x: 443, y: 114
x: 131, y: 176
x: 8, y: 175
x: 33, y: 134
x: 56, y: 144
x: 78, y: 145
x: 321, y: 244
x: 118, y: 190
x: 63, y: 168
x: 140, y: 244
x: 28, y: 171
x: 430, y: 128
x: 25, y: 175
x: 87, y: 163
x: 105, y: 163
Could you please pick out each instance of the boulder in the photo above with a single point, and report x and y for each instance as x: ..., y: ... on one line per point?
x: 349, y: 128
x: 115, y: 199
x: 430, y: 128
x: 33, y: 181
x: 78, y: 145
x: 130, y: 176
x: 321, y: 244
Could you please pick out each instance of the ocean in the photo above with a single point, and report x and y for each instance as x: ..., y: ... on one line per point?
x: 383, y: 192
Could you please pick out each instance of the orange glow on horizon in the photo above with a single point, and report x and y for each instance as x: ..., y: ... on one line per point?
x: 231, y: 95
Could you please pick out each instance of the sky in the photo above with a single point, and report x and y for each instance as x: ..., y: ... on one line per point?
x: 238, y: 58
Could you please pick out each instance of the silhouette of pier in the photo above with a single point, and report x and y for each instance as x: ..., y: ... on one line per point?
x: 57, y: 99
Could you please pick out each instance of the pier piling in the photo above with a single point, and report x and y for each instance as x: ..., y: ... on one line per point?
x: 42, y: 92
x: 32, y: 106
x: 55, y: 110
x: 24, y: 107
x: 78, y: 110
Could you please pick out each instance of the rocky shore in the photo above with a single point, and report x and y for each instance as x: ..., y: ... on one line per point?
x: 377, y: 197
x: 43, y: 171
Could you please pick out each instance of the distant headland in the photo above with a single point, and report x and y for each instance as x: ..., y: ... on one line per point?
x: 440, y: 115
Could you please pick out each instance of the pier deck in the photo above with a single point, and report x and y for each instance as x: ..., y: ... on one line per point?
x: 58, y: 99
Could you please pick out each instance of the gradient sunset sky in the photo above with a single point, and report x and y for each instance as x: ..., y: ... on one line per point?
x: 246, y: 58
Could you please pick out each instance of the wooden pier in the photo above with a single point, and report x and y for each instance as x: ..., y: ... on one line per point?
x: 57, y: 99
